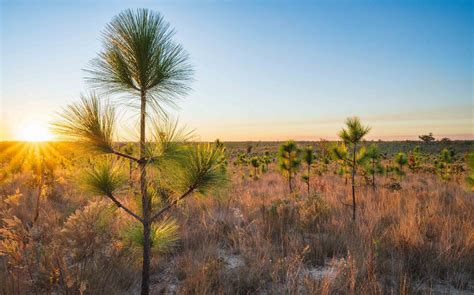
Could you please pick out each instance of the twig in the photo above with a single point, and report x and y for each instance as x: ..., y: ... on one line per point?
x: 125, y: 156
x: 110, y: 196
x: 169, y: 206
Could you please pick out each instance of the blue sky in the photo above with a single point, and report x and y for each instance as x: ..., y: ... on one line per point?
x: 264, y: 70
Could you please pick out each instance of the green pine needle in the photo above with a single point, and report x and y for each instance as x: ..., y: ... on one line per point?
x: 89, y: 122
x: 104, y: 178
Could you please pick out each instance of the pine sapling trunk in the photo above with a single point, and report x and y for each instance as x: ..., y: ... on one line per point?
x: 145, y: 201
x: 309, y: 170
x: 353, y: 183
x: 373, y: 174
x: 289, y: 172
x: 289, y: 181
x: 401, y: 171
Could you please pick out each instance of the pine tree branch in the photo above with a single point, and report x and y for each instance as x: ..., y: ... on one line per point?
x: 172, y: 204
x: 117, y: 202
x: 125, y: 156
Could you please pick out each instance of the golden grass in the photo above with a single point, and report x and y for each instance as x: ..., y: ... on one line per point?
x: 254, y: 237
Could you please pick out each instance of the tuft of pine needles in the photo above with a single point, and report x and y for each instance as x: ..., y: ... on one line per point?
x: 104, y: 178
x: 90, y: 122
x: 204, y: 169
x: 164, y: 235
x: 140, y: 56
x: 354, y: 131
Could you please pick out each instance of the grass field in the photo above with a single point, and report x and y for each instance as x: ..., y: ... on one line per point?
x: 413, y: 233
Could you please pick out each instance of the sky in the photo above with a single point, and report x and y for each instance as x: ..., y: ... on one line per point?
x: 264, y: 70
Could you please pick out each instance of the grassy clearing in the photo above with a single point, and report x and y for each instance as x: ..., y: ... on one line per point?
x: 413, y: 234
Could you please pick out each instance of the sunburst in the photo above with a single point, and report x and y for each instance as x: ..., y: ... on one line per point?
x: 34, y: 132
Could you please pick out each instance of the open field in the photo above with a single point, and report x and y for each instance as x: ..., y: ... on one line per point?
x: 127, y: 164
x: 413, y: 234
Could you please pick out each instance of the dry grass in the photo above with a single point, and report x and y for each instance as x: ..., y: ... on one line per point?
x: 403, y: 240
x: 254, y: 237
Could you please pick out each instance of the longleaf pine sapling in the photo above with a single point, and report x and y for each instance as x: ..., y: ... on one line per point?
x: 351, y: 137
x: 255, y: 163
x: 401, y: 160
x: 141, y: 62
x: 373, y: 155
x: 308, y: 158
x: 289, y: 161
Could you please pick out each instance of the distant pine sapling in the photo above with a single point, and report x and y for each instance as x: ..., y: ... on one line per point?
x: 401, y: 160
x: 373, y: 157
x: 325, y: 161
x: 266, y: 159
x: 242, y: 159
x: 349, y: 151
x: 324, y: 156
x: 255, y: 163
x: 223, y: 160
x: 289, y: 161
x: 444, y: 162
x: 414, y: 160
x: 308, y: 158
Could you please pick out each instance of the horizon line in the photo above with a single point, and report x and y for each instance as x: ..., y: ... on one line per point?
x: 237, y: 141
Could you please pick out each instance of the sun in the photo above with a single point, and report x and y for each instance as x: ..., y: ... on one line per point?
x: 34, y: 132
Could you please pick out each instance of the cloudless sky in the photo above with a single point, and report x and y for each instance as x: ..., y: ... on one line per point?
x: 264, y: 70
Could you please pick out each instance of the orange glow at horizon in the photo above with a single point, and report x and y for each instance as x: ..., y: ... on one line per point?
x: 33, y: 132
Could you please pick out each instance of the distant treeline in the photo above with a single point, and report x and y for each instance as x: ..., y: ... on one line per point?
x: 387, y: 148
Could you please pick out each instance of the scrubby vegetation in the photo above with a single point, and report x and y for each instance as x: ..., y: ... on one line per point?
x: 168, y: 214
x: 411, y: 235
